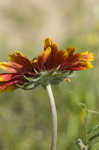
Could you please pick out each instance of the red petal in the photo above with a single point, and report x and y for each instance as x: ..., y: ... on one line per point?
x: 10, y: 76
x: 8, y: 85
x: 23, y: 63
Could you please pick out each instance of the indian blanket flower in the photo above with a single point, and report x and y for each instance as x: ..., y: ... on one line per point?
x: 52, y: 66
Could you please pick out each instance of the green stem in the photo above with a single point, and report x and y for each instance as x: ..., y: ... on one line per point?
x: 54, y: 117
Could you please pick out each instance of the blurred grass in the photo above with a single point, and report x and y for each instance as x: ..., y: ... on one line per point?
x: 25, y: 121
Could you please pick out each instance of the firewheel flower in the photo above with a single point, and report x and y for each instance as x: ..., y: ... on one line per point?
x: 52, y: 66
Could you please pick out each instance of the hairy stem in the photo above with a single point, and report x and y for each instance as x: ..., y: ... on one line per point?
x: 54, y: 117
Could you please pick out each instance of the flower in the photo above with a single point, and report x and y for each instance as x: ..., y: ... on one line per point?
x: 52, y: 66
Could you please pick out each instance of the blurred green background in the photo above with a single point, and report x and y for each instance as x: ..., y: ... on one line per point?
x: 25, y: 121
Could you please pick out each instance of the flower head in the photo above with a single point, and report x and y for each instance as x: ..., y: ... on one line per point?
x: 52, y: 66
